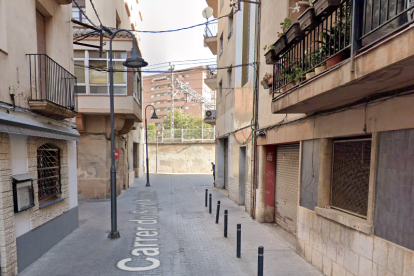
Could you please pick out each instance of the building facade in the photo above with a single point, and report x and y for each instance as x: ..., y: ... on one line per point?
x: 38, y: 197
x: 334, y: 134
x: 232, y: 39
x: 157, y: 92
x: 93, y: 119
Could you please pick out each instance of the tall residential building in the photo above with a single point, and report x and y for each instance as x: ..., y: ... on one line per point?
x: 333, y: 129
x: 38, y: 191
x: 157, y: 92
x: 93, y: 119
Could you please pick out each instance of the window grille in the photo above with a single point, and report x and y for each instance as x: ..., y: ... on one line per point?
x: 350, y: 176
x: 48, y: 173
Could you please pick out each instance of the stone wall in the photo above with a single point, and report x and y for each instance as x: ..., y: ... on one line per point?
x: 233, y: 189
x: 8, y: 255
x: 181, y: 157
x: 336, y: 249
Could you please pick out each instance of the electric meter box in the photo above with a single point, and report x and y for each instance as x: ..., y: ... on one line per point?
x: 23, y: 195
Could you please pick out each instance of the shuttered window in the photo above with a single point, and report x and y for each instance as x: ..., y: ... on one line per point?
x: 350, y: 176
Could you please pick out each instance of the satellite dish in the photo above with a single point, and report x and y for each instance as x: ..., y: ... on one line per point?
x: 207, y: 12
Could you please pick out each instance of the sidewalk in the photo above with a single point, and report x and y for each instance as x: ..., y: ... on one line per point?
x: 172, y: 217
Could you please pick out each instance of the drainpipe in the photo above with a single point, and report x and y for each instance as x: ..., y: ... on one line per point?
x: 254, y: 126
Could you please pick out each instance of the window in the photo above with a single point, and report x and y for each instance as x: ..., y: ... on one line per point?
x: 350, y: 176
x: 187, y: 83
x: 165, y: 101
x: 137, y: 87
x: 158, y: 95
x: 246, y: 43
x: 221, y: 45
x: 230, y: 78
x: 220, y: 90
x: 152, y: 103
x: 97, y: 82
x: 165, y: 117
x: 48, y: 173
x: 230, y: 26
x: 152, y: 96
x: 78, y: 15
x: 158, y: 102
x: 187, y: 75
x: 3, y: 28
x: 158, y: 110
x: 152, y: 88
x: 181, y: 76
x: 158, y: 87
x: 187, y: 107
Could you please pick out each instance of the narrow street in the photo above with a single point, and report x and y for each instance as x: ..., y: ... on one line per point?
x: 189, y: 241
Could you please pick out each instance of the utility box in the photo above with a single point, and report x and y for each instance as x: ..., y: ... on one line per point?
x: 23, y: 195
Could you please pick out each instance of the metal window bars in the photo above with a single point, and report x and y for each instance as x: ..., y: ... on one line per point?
x: 350, y: 176
x: 330, y: 37
x: 51, y: 82
x: 48, y: 173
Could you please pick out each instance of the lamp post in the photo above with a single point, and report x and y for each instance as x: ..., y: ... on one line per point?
x: 134, y: 61
x: 153, y: 117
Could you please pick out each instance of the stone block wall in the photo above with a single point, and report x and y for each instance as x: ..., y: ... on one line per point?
x: 8, y: 255
x: 41, y: 216
x: 339, y: 250
x: 233, y: 189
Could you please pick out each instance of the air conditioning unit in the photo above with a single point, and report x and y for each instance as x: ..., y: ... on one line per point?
x: 211, y: 114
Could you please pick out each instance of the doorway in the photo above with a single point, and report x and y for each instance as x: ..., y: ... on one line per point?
x: 242, y: 175
x: 135, y: 158
x: 222, y: 163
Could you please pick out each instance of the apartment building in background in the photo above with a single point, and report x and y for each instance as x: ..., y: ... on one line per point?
x: 232, y: 40
x: 38, y: 197
x: 157, y: 92
x: 93, y: 119
x: 334, y: 130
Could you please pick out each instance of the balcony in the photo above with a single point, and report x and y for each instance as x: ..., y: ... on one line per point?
x: 52, y: 88
x: 64, y: 2
x: 334, y: 61
x: 210, y: 117
x: 210, y: 37
x: 211, y: 79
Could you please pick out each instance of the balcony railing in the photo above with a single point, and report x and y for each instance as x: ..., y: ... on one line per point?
x: 51, y: 83
x: 211, y: 30
x: 334, y: 37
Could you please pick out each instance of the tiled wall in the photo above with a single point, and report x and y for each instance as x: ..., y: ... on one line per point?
x: 310, y: 174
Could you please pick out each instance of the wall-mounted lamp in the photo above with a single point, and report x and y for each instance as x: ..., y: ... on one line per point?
x: 12, y: 92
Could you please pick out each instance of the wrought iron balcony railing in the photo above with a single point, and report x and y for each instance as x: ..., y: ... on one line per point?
x: 211, y: 30
x: 334, y: 36
x: 52, y: 84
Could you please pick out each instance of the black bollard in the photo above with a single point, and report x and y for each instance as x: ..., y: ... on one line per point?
x: 209, y: 209
x: 238, y: 240
x: 206, y: 196
x: 225, y: 223
x: 218, y: 211
x: 260, y: 262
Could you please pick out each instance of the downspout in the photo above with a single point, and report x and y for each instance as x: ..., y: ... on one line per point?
x: 255, y: 110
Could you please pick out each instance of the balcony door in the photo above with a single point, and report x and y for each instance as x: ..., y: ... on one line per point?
x: 41, y: 33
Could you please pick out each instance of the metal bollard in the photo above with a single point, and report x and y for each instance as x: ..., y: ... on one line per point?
x: 260, y: 261
x: 238, y: 240
x: 225, y: 223
x: 209, y: 209
x: 218, y: 211
x: 206, y: 196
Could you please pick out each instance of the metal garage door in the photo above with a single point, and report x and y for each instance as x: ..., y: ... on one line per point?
x: 287, y: 177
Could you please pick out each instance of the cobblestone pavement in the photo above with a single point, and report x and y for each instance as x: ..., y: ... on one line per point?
x: 172, y: 217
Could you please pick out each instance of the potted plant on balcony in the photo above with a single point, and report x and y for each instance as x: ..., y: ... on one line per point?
x: 317, y: 59
x: 307, y: 20
x: 271, y: 56
x: 281, y: 44
x: 267, y: 81
x: 325, y: 7
x: 294, y: 34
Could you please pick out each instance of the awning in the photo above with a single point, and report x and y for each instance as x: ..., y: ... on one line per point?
x: 20, y: 125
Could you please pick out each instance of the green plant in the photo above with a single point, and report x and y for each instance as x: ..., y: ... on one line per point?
x: 266, y: 78
x: 268, y: 47
x: 285, y: 26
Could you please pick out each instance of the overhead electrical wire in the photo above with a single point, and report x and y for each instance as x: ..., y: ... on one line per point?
x: 93, y: 7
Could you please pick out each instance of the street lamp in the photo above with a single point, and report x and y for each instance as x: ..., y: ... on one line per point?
x: 134, y: 61
x: 153, y: 117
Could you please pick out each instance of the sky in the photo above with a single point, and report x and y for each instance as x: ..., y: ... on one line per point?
x: 160, y: 15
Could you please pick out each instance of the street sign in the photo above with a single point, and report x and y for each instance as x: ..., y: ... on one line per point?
x: 116, y: 154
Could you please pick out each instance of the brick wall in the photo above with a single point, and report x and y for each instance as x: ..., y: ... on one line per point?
x: 233, y: 189
x: 7, y: 225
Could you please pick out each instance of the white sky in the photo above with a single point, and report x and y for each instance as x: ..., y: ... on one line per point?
x: 159, y: 15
